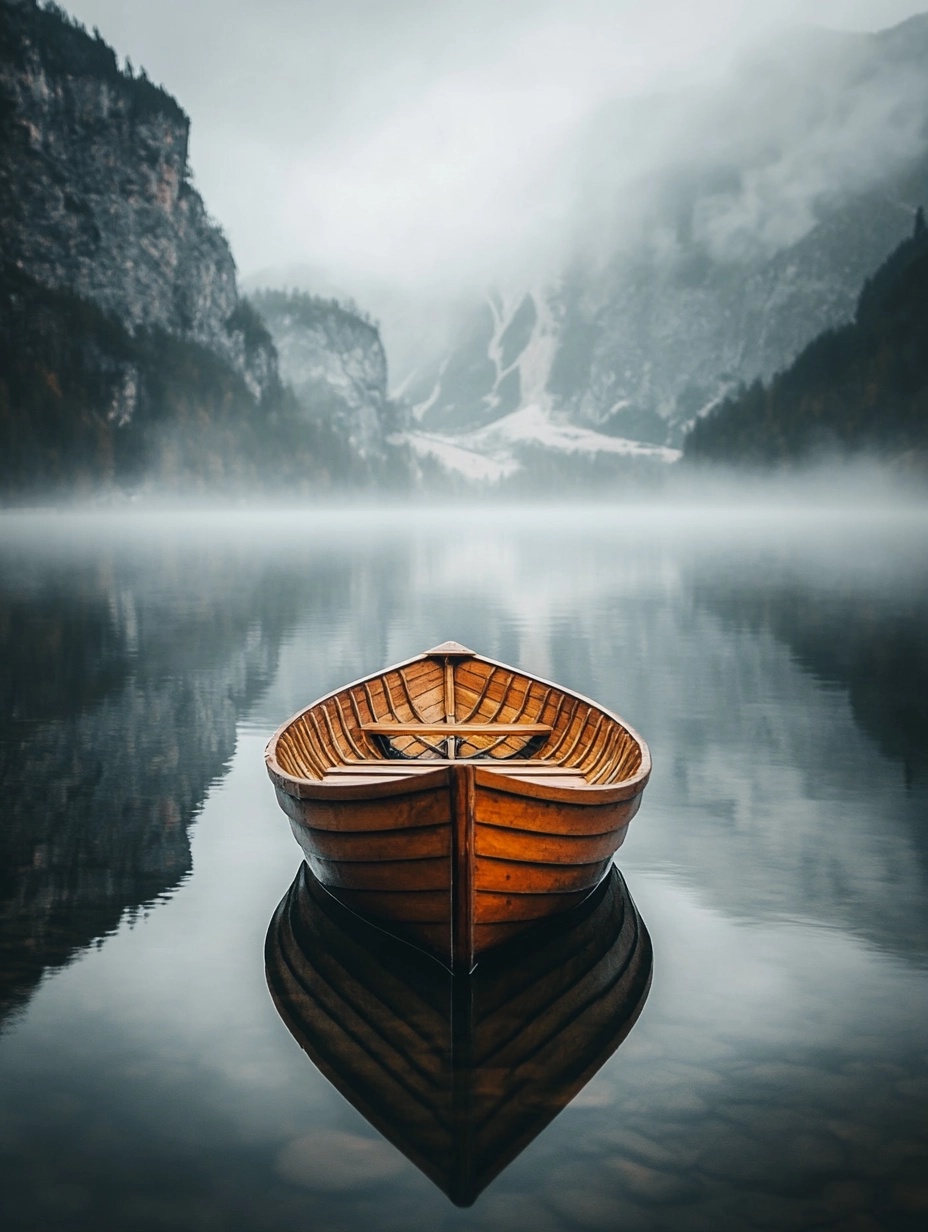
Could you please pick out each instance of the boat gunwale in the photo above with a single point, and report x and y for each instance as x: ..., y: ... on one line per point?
x: 318, y: 789
x: 494, y: 779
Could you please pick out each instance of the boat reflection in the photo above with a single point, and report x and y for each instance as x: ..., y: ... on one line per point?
x: 459, y: 1072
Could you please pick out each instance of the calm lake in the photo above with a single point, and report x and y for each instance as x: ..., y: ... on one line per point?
x: 775, y: 661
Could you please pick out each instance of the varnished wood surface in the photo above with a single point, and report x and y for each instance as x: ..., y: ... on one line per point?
x: 459, y: 1072
x: 525, y: 789
x: 457, y: 692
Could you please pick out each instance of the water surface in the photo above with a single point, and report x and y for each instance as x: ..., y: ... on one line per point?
x: 778, y: 666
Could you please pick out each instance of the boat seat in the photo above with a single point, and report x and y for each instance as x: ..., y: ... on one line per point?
x: 424, y: 765
x: 385, y: 771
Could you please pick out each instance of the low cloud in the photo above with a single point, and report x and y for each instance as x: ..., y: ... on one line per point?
x: 427, y: 143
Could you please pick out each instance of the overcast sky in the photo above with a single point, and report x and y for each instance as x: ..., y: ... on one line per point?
x: 408, y: 140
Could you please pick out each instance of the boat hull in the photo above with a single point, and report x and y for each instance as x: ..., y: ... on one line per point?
x: 455, y: 800
x: 462, y: 858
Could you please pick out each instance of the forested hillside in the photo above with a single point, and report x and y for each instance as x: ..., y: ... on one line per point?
x: 860, y: 388
x: 85, y: 404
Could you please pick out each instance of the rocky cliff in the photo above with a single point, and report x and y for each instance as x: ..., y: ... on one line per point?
x: 95, y: 190
x: 333, y: 358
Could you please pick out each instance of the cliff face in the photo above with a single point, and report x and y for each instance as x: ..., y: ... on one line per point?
x: 95, y: 195
x: 333, y: 358
x: 127, y: 358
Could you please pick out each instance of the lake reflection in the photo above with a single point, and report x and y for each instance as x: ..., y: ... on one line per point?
x: 778, y: 1076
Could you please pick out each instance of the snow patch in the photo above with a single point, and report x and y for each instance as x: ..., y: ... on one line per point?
x: 490, y: 454
x: 457, y: 457
x: 534, y: 426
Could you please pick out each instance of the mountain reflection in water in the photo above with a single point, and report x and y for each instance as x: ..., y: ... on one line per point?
x: 460, y: 1072
x: 124, y: 678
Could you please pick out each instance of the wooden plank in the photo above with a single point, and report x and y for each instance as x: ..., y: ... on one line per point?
x: 553, y: 795
x: 512, y: 908
x: 537, y: 815
x: 564, y: 779
x: 517, y: 766
x: 385, y: 769
x: 520, y: 877
x: 432, y: 873
x: 366, y: 846
x: 354, y: 778
x: 507, y: 844
x: 415, y: 673
x: 397, y: 693
x: 412, y: 810
x: 312, y: 793
x: 430, y: 699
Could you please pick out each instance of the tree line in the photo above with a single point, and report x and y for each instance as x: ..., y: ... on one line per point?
x: 860, y: 387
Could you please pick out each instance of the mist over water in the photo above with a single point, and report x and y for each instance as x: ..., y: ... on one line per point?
x: 645, y: 491
x: 773, y: 656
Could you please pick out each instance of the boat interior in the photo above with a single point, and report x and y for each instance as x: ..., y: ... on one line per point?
x: 450, y: 705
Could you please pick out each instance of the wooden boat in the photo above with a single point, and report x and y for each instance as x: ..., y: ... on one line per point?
x: 456, y: 800
x: 459, y: 1072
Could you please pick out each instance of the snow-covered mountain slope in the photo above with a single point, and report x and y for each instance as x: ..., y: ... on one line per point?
x: 500, y: 363
x: 518, y: 441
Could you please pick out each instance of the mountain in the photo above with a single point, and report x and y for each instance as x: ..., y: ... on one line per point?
x: 127, y: 356
x: 333, y: 358
x: 862, y: 386
x: 722, y: 229
x: 96, y: 195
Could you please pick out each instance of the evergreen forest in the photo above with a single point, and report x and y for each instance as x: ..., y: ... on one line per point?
x: 861, y: 388
x: 84, y: 403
